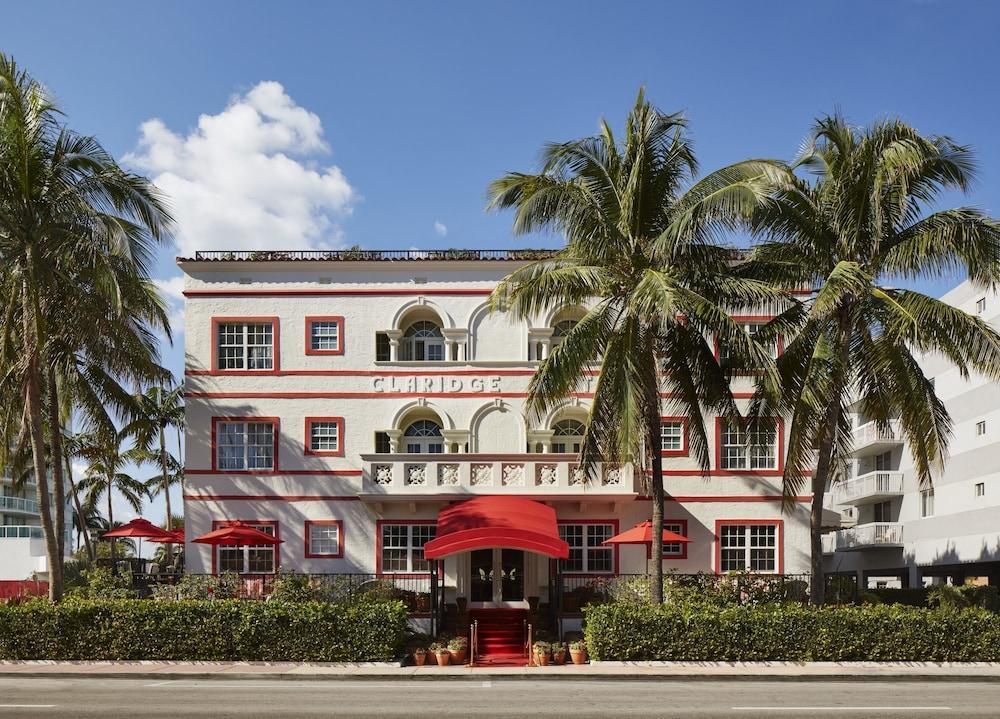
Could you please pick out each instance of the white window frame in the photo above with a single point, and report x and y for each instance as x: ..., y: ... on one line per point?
x: 672, y: 430
x: 674, y: 550
x: 414, y: 537
x: 315, y: 424
x: 751, y: 328
x: 244, y: 554
x: 423, y: 443
x: 585, y: 544
x: 246, y: 354
x: 320, y: 546
x: 254, y: 454
x: 566, y: 443
x: 745, y: 539
x: 321, y: 338
x: 420, y: 346
x: 735, y: 454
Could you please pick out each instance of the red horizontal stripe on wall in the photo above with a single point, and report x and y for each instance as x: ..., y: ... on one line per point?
x: 320, y: 472
x: 334, y: 293
x: 373, y: 373
x: 699, y: 498
x: 390, y: 395
x: 273, y: 497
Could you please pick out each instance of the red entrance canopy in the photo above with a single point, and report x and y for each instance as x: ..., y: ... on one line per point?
x: 177, y: 537
x: 141, y: 528
x: 642, y: 533
x: 486, y: 522
x: 237, y: 534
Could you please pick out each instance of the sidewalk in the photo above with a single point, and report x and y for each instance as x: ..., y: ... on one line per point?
x: 677, y: 671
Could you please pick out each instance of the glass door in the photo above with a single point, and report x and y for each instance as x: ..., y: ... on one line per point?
x: 496, y: 578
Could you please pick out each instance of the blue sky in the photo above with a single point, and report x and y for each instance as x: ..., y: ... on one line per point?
x: 381, y: 123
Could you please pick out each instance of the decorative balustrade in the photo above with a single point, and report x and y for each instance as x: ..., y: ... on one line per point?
x: 870, y: 487
x: 872, y: 535
x: 872, y: 437
x: 490, y: 474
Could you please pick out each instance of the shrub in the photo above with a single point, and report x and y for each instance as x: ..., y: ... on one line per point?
x: 102, y: 583
x: 202, y: 630
x: 201, y: 586
x: 972, y: 595
x: 790, y: 632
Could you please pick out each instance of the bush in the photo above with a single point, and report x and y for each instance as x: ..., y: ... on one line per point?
x: 973, y: 595
x: 203, y: 630
x: 102, y: 583
x: 790, y: 632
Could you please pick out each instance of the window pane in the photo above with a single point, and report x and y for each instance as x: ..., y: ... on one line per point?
x: 324, y: 335
x: 230, y: 445
x: 260, y: 445
x: 671, y: 549
x: 324, y: 436
x: 230, y: 559
x: 324, y: 539
x: 672, y: 437
x: 231, y: 353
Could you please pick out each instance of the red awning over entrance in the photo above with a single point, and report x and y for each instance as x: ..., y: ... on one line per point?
x: 507, y: 522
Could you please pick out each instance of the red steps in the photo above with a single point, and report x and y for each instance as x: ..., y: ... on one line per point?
x: 501, y: 635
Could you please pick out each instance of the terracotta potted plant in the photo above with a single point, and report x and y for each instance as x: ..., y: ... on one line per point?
x: 558, y: 653
x: 443, y: 656
x: 431, y: 656
x: 578, y: 652
x: 419, y: 656
x: 543, y: 652
x: 459, y: 650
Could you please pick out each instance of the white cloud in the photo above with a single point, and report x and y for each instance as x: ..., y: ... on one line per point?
x: 172, y: 289
x: 441, y: 229
x: 248, y: 177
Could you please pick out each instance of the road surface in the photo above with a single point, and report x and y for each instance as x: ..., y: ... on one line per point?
x: 81, y: 698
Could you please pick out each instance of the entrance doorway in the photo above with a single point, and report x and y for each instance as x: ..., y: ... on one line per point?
x: 496, y: 578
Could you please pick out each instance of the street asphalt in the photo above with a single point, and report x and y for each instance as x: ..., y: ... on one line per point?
x: 106, y: 698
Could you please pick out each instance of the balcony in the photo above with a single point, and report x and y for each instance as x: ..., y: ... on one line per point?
x: 870, y: 439
x: 19, y: 531
x: 876, y: 535
x: 868, y: 488
x: 415, y: 476
x: 18, y: 505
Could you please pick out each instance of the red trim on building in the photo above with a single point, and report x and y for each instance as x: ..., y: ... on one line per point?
x: 615, y: 547
x: 779, y: 425
x: 387, y: 373
x: 339, y: 524
x: 276, y: 432
x: 340, y: 334
x: 201, y: 497
x: 379, y: 523
x: 429, y: 292
x: 276, y: 349
x: 219, y: 523
x: 340, y: 437
x: 391, y: 395
x: 285, y: 473
x: 779, y: 540
x: 683, y: 452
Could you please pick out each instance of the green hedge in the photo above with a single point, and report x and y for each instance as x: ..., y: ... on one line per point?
x: 622, y: 631
x: 986, y: 596
x: 203, y: 630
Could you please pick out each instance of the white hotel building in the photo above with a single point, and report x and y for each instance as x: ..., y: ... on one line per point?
x: 906, y: 534
x: 343, y: 400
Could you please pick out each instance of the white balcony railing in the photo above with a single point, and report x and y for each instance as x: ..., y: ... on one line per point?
x: 18, y: 504
x: 870, y: 487
x: 870, y: 436
x: 872, y: 535
x: 416, y: 474
x: 12, y: 531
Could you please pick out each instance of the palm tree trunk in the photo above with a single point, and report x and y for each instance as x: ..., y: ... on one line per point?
x: 55, y: 448
x: 656, y: 494
x: 82, y: 529
x: 33, y: 402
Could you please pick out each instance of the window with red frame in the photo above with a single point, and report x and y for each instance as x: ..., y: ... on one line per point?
x: 244, y: 346
x: 244, y: 446
x: 675, y: 550
x: 259, y: 559
x: 324, y: 538
x: 748, y: 547
x: 754, y: 447
x: 325, y: 335
x: 325, y: 435
x: 673, y: 441
x: 587, y: 552
x: 403, y: 547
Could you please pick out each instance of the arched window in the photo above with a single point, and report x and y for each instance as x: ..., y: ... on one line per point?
x: 422, y: 342
x: 423, y: 437
x: 568, y: 436
x: 561, y: 329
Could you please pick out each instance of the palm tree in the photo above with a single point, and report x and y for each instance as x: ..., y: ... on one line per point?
x: 863, y: 222
x: 639, y: 250
x: 159, y: 409
x: 72, y: 224
x: 107, y: 457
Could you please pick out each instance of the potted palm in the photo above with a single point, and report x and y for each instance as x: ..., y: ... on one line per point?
x: 459, y: 649
x: 419, y: 656
x: 543, y: 652
x: 578, y: 652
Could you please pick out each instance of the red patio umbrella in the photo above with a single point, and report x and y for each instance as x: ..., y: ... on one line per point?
x: 642, y: 533
x: 177, y: 537
x: 237, y: 534
x: 141, y: 529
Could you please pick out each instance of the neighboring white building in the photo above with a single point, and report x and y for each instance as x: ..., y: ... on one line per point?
x: 906, y: 534
x: 341, y: 400
x: 22, y: 547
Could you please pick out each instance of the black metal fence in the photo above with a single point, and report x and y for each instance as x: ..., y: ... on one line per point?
x: 368, y: 255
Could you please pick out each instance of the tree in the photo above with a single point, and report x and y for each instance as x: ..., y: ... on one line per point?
x: 73, y: 224
x: 159, y: 409
x: 107, y: 456
x: 640, y: 255
x: 862, y: 223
